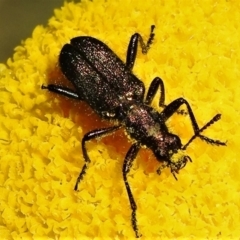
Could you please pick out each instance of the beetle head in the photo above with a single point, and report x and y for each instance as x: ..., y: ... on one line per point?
x: 164, y: 148
x: 165, y: 145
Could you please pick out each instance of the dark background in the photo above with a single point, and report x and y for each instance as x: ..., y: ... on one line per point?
x: 18, y: 18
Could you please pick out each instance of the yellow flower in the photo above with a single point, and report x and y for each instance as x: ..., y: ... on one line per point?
x: 196, y: 51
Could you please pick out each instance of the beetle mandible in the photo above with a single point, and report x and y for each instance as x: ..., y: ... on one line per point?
x: 101, y: 79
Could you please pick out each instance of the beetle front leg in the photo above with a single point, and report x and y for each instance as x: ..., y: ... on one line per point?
x: 133, y: 45
x: 88, y: 136
x: 204, y: 138
x: 67, y: 92
x: 172, y: 108
x: 128, y: 161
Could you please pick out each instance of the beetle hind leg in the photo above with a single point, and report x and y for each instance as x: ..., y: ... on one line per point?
x: 67, y: 92
x: 133, y: 45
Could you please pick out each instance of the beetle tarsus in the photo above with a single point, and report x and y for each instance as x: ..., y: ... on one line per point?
x: 128, y: 161
x: 204, y: 138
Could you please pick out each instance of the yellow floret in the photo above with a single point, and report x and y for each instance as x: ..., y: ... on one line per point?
x: 196, y: 51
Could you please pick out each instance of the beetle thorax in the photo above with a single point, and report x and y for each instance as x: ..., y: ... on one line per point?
x: 145, y: 125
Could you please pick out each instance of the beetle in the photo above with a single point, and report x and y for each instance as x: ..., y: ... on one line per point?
x: 100, y: 78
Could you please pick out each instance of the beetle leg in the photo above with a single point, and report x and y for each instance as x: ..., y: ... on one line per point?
x: 152, y: 90
x: 67, y: 92
x: 172, y: 108
x: 204, y: 138
x: 128, y: 161
x: 89, y: 136
x: 133, y: 45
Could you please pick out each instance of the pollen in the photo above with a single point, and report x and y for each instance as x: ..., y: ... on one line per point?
x: 196, y: 51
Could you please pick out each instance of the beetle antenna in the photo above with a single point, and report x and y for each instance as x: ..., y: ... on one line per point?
x: 204, y: 138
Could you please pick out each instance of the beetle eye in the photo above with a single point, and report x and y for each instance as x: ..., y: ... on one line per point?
x: 173, y: 142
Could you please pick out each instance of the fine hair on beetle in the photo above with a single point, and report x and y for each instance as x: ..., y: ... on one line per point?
x: 101, y: 79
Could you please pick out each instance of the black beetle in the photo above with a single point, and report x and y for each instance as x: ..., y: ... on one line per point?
x: 108, y: 85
